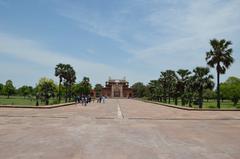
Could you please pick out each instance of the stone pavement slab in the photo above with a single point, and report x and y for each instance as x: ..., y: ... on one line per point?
x: 96, y: 131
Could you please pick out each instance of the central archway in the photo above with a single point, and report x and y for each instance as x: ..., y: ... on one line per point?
x: 116, y: 92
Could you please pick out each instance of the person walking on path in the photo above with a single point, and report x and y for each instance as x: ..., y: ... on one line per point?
x: 103, y: 99
x: 85, y: 101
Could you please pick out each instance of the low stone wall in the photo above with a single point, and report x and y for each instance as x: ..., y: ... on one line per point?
x: 38, y: 107
x: 188, y: 108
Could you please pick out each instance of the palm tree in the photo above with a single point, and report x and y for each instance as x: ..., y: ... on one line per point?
x: 221, y: 58
x: 168, y: 80
x: 184, y: 75
x: 69, y: 80
x: 190, y: 90
x: 60, y: 72
x: 155, y: 89
x: 163, y: 82
x: 86, y: 85
x: 202, y: 80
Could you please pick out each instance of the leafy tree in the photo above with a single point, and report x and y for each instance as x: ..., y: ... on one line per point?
x: 60, y: 71
x: 231, y: 89
x: 9, y: 89
x: 233, y: 80
x: 25, y: 91
x: 46, y: 89
x: 147, y: 93
x: 184, y: 75
x: 220, y: 56
x: 155, y: 90
x: 98, y: 89
x: 1, y: 88
x: 77, y: 89
x: 202, y: 80
x: 83, y: 88
x: 138, y: 89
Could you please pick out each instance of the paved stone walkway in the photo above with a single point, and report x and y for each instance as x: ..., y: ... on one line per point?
x: 118, y: 129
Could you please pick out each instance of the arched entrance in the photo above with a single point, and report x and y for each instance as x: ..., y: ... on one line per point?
x: 130, y: 95
x: 116, y: 92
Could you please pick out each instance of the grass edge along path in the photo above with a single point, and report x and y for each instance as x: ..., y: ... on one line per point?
x: 188, y: 108
x: 38, y: 107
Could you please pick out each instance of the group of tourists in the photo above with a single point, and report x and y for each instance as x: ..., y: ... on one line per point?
x: 84, y: 100
x: 101, y: 99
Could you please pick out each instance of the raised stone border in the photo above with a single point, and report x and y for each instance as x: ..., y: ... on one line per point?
x: 37, y: 107
x: 187, y: 108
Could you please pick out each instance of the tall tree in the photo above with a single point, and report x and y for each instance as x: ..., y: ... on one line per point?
x: 69, y: 80
x: 1, y: 88
x: 9, y: 89
x: 60, y: 72
x: 169, y: 80
x: 164, y: 84
x: 202, y: 80
x: 85, y: 84
x: 220, y: 56
x: 190, y: 90
x: 184, y: 75
x: 155, y: 90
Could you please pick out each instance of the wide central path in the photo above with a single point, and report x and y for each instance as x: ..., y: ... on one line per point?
x: 120, y: 128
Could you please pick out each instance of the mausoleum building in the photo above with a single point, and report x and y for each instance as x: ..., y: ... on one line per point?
x: 117, y: 88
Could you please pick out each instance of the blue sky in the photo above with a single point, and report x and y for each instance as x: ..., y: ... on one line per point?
x: 117, y: 38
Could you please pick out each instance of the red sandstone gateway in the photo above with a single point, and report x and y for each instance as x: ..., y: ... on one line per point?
x: 117, y: 88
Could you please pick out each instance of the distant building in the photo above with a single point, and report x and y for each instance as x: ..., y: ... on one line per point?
x: 117, y: 88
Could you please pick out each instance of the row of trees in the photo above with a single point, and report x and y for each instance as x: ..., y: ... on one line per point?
x: 9, y: 89
x: 67, y: 86
x: 187, y: 88
x: 182, y: 84
x: 192, y: 85
x: 46, y: 88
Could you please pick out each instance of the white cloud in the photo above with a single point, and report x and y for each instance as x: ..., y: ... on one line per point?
x: 190, y: 26
x: 28, y: 50
x: 159, y: 27
x: 164, y: 34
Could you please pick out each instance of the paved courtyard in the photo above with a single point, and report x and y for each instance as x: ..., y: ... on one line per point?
x: 118, y: 129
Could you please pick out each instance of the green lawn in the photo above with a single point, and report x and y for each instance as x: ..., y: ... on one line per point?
x: 224, y: 104
x: 213, y: 104
x: 19, y: 100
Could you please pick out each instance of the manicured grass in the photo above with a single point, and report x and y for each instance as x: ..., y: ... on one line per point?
x: 224, y: 104
x: 212, y: 104
x: 19, y: 100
